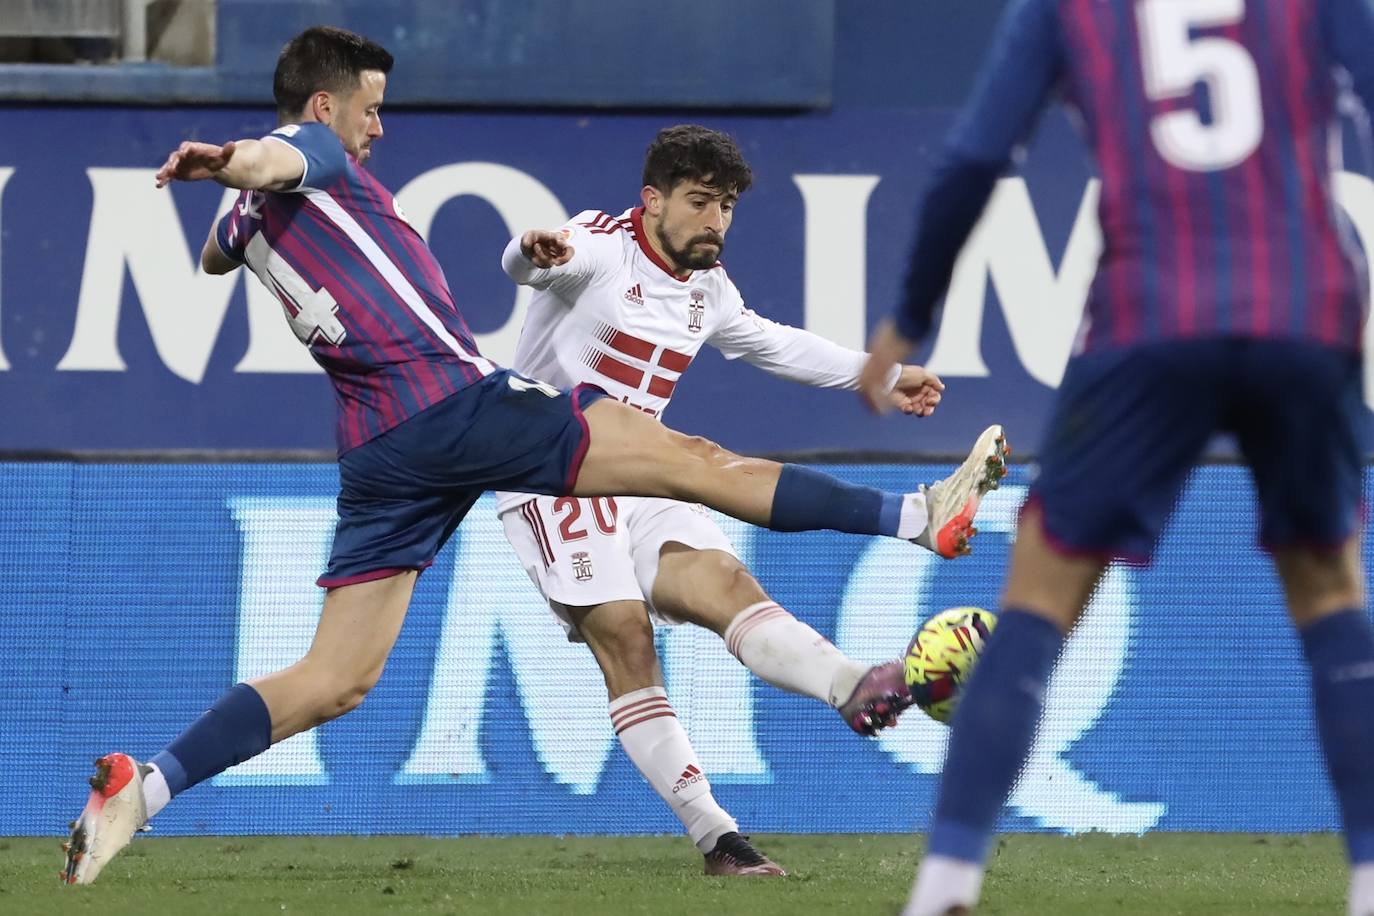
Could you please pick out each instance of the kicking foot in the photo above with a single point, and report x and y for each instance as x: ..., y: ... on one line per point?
x: 113, y: 813
x: 951, y: 503
x: 735, y: 855
x: 878, y: 699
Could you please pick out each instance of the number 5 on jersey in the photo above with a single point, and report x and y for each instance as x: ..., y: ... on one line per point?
x: 1175, y: 61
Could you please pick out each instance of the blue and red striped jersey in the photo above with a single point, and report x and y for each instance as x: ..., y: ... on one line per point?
x: 1213, y: 125
x: 358, y: 285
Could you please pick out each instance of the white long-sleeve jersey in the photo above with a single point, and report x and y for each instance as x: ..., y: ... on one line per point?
x: 618, y: 317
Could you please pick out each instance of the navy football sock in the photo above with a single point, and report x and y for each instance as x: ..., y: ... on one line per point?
x: 237, y: 727
x: 808, y: 500
x: 992, y: 733
x: 1340, y: 651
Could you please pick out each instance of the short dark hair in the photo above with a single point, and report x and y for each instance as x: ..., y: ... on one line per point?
x: 690, y: 152
x: 323, y: 59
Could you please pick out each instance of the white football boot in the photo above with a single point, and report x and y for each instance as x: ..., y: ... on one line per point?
x: 114, y: 812
x: 951, y: 503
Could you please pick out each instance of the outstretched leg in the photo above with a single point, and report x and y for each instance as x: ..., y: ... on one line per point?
x: 713, y: 589
x: 630, y: 453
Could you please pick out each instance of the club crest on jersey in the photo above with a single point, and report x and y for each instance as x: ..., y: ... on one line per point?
x: 696, y: 309
x: 582, y: 566
x: 635, y: 295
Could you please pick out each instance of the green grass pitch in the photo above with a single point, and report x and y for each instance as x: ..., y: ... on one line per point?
x: 834, y: 875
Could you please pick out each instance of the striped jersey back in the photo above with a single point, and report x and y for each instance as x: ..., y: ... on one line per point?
x: 1213, y: 125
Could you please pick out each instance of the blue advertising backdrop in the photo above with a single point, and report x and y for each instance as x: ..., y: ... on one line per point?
x: 111, y: 338
x: 1180, y: 704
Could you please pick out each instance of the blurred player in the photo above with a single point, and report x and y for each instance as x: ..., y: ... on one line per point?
x: 425, y: 423
x: 1227, y: 299
x: 624, y: 303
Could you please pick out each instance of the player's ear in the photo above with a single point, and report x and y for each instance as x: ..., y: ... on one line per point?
x: 321, y: 107
x: 652, y: 198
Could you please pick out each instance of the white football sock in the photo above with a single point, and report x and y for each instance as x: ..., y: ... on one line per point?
x: 914, y: 518
x: 156, y: 795
x: 787, y: 653
x: 942, y: 882
x: 657, y: 744
x: 1361, y: 889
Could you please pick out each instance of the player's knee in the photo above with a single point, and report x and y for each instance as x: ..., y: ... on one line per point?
x: 343, y: 692
x: 732, y: 586
x: 731, y: 573
x: 704, y: 449
x: 695, y: 453
x: 350, y: 695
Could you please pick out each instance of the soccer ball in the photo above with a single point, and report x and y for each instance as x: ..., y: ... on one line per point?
x: 942, y: 655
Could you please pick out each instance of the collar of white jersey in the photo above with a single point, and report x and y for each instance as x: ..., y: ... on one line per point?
x: 637, y: 221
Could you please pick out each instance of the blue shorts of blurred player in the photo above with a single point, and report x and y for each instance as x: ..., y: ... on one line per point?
x: 1129, y: 425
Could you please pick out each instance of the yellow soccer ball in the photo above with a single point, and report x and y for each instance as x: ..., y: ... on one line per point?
x: 942, y: 655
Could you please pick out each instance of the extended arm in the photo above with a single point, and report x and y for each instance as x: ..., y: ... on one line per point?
x: 801, y: 356
x: 530, y: 258
x: 563, y: 259
x: 254, y: 165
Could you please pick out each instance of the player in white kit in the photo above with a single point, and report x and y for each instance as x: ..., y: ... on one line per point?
x: 624, y: 302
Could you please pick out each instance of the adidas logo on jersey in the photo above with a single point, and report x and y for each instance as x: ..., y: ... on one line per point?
x: 634, y: 295
x: 689, y: 776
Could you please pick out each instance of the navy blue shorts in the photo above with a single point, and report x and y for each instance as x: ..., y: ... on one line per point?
x: 1128, y: 426
x: 402, y: 494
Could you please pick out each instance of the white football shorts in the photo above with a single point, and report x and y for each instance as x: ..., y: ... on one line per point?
x: 585, y: 551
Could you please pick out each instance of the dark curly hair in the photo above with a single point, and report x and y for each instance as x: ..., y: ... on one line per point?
x: 323, y: 59
x: 690, y: 152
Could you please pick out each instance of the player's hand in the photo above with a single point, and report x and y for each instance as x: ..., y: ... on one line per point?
x: 885, y: 349
x: 194, y: 162
x: 547, y: 249
x: 917, y: 392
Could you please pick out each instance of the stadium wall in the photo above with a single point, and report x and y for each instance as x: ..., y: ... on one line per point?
x: 718, y: 54
x: 136, y: 592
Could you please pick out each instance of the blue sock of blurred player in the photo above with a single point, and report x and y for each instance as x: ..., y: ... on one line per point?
x: 236, y: 727
x: 1340, y: 651
x: 992, y: 733
x: 806, y: 500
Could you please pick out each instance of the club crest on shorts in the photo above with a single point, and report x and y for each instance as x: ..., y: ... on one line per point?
x: 582, y: 566
x: 696, y: 308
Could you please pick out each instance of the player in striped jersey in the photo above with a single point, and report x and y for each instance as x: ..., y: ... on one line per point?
x: 426, y: 424
x: 1228, y: 298
x: 625, y: 303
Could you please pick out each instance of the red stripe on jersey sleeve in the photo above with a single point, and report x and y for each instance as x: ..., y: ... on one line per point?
x: 602, y: 224
x: 597, y: 222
